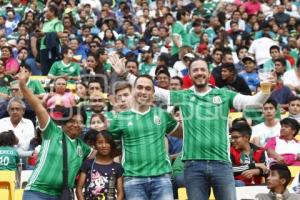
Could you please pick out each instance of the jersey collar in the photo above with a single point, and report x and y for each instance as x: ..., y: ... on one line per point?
x: 140, y: 113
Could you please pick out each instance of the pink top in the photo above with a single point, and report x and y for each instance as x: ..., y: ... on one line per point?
x: 66, y: 100
x: 251, y: 8
x: 287, y: 149
x: 11, y: 64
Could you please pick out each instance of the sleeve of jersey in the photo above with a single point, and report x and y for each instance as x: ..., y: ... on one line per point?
x: 59, y: 27
x: 40, y: 88
x: 241, y: 101
x: 172, y: 124
x: 50, y: 130
x: 175, y: 29
x: 87, y: 150
x: 53, y: 69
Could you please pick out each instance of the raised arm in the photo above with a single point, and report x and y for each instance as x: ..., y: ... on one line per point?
x: 240, y: 101
x: 33, y: 101
x: 119, y: 66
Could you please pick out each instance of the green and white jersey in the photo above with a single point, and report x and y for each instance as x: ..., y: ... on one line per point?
x: 194, y: 39
x: 179, y: 29
x: 54, y: 25
x: 144, y: 152
x: 60, y: 68
x: 145, y: 68
x: 47, y: 175
x: 205, y: 123
x: 9, y: 158
x: 36, y: 87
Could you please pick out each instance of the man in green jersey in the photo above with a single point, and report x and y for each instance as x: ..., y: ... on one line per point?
x: 206, y: 144
x: 142, y: 129
x: 46, y: 181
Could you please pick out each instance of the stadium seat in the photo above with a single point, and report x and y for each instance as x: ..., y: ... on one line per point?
x: 8, y: 181
x: 297, y: 137
x: 4, y: 193
x: 183, y: 196
x: 19, y: 194
x: 25, y: 174
x: 249, y: 192
x: 294, y: 170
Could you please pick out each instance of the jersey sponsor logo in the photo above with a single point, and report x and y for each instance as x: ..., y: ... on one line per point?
x: 217, y: 100
x: 79, y: 151
x: 72, y: 69
x: 193, y: 98
x: 157, y: 120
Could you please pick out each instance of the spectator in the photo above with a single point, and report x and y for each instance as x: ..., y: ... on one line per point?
x: 241, y: 53
x: 291, y: 78
x: 42, y: 182
x: 281, y: 17
x: 102, y: 168
x: 275, y: 54
x: 23, y: 128
x: 285, y: 149
x: 248, y: 160
x: 267, y: 129
x: 11, y: 65
x: 147, y: 58
x: 98, y: 122
x: 176, y: 83
x: 8, y: 154
x: 294, y: 108
x: 277, y: 182
x: 249, y: 74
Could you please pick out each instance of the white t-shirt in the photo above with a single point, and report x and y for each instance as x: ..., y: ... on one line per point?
x: 290, y: 78
x: 24, y: 131
x: 261, y: 48
x: 264, y: 132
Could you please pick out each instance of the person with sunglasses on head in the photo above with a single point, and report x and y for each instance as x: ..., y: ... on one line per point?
x: 46, y: 181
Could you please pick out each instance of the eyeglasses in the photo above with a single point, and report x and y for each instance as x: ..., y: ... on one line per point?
x: 96, y: 100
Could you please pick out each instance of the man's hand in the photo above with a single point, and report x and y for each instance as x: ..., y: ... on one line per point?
x: 21, y: 76
x: 250, y: 173
x: 117, y: 64
x: 280, y: 159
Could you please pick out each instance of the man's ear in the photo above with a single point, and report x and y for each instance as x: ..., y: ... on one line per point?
x: 282, y: 181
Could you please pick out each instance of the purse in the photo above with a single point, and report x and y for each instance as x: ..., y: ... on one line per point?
x: 67, y: 193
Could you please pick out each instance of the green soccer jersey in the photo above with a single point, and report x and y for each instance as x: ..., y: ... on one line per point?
x: 9, y: 158
x: 205, y: 123
x: 179, y: 29
x: 36, y: 87
x: 145, y: 68
x: 47, y: 175
x: 54, y: 25
x: 144, y: 152
x: 59, y: 68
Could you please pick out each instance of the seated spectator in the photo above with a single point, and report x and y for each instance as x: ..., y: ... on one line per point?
x: 97, y: 103
x: 11, y: 65
x: 232, y: 81
x: 98, y: 122
x: 81, y: 92
x: 8, y: 155
x: 247, y: 159
x: 65, y: 67
x: 291, y: 78
x: 275, y: 54
x: 60, y: 95
x: 284, y: 148
x: 294, y: 108
x: 4, y: 83
x: 277, y: 181
x: 249, y: 74
x: 267, y: 129
x: 22, y: 128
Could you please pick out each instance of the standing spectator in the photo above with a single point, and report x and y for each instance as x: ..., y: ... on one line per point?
x: 44, y: 181
x: 212, y: 149
x: 154, y: 167
x: 23, y: 128
x: 52, y: 29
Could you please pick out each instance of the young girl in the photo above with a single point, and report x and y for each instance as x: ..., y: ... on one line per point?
x: 98, y: 122
x: 101, y: 177
x: 9, y: 157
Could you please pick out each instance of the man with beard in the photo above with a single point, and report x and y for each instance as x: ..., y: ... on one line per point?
x: 205, y: 150
x: 147, y: 64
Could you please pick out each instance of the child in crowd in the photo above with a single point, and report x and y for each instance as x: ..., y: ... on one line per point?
x: 102, y: 177
x: 277, y: 181
x: 294, y: 108
x: 98, y: 122
x: 9, y: 157
x: 250, y: 75
x: 248, y: 160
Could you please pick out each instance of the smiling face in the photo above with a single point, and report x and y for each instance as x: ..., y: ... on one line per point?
x: 143, y: 91
x: 199, y: 73
x: 97, y: 123
x: 102, y: 146
x: 73, y: 127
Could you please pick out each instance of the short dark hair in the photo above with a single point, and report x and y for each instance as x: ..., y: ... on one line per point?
x: 243, y: 128
x: 240, y: 48
x: 163, y: 70
x: 68, y: 113
x: 274, y: 47
x: 53, y: 8
x: 283, y: 171
x: 271, y: 101
x: 121, y: 85
x: 144, y: 76
x: 180, y: 13
x: 281, y: 60
x: 90, y: 137
x: 7, y: 138
x: 294, y: 98
x: 109, y: 139
x: 132, y: 60
x: 179, y: 79
x: 229, y: 66
x: 291, y: 123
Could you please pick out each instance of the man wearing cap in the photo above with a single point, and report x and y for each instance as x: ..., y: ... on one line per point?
x: 147, y: 58
x: 249, y: 74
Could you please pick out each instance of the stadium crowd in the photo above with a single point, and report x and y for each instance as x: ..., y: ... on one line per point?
x: 124, y: 99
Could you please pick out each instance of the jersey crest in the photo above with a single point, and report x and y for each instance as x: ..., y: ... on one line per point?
x: 157, y: 120
x: 79, y: 151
